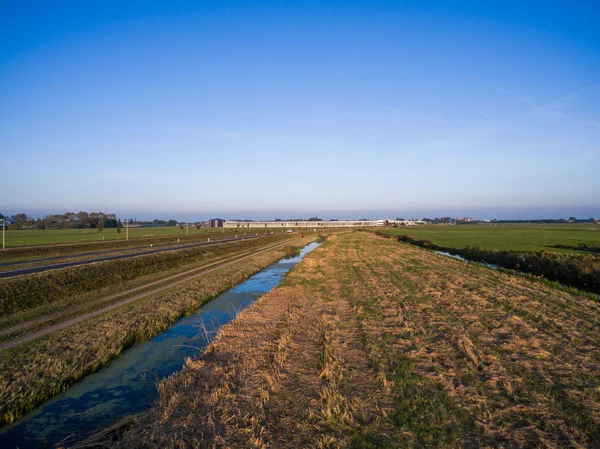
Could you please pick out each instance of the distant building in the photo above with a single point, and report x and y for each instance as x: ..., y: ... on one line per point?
x: 216, y: 223
x: 290, y: 224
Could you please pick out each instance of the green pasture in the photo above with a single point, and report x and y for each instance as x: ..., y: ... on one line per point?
x: 527, y: 237
x: 35, y: 237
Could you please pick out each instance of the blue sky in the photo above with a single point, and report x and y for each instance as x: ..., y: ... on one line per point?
x: 268, y: 109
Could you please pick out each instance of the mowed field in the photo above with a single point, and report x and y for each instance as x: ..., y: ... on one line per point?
x: 374, y: 343
x: 525, y: 237
x: 56, y: 236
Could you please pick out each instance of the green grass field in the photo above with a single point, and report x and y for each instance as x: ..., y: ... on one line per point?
x: 57, y: 236
x: 530, y: 237
x: 533, y: 237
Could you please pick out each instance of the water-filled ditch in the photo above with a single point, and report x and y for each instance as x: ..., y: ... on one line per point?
x: 128, y: 384
x: 456, y: 256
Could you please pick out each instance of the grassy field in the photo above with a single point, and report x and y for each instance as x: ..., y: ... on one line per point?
x: 32, y: 253
x: 51, y: 288
x: 372, y: 343
x: 28, y: 237
x: 529, y: 237
x: 92, y: 328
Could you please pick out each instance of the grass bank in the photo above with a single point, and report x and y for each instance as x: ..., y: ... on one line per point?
x: 34, y: 290
x: 26, y: 253
x: 23, y: 323
x: 581, y: 271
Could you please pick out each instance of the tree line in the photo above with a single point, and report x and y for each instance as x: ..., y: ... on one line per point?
x: 80, y: 220
x: 68, y: 220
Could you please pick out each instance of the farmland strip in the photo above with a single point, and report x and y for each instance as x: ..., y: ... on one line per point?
x: 10, y: 330
x: 22, y: 293
x: 79, y: 319
x: 43, y: 268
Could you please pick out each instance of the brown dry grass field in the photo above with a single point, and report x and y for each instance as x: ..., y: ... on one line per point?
x: 374, y: 343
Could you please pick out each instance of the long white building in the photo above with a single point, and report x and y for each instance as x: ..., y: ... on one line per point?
x: 303, y: 224
x: 313, y: 224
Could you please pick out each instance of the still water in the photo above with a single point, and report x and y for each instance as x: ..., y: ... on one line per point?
x: 128, y: 384
x: 456, y: 256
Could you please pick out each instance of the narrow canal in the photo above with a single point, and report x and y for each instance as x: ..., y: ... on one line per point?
x: 128, y: 384
x: 456, y: 256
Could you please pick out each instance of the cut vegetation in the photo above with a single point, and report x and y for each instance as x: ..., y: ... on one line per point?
x: 373, y: 343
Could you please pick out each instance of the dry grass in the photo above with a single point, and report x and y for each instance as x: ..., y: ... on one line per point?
x: 369, y: 343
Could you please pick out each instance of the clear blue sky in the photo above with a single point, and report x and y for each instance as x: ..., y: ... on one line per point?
x: 267, y: 109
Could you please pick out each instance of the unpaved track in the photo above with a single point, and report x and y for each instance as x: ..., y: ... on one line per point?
x: 198, y: 272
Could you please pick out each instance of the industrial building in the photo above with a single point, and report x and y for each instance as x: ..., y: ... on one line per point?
x: 316, y: 224
x: 302, y: 224
x: 216, y: 223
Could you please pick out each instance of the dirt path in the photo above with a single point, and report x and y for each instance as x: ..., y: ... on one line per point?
x: 48, y: 330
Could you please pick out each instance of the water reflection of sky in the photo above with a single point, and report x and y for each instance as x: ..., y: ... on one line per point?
x: 128, y: 384
x: 456, y: 256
